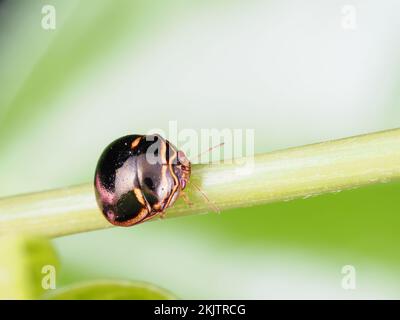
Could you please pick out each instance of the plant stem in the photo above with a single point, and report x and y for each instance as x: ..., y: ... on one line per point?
x: 282, y: 175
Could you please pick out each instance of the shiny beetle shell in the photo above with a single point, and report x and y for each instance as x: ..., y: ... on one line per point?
x: 138, y: 177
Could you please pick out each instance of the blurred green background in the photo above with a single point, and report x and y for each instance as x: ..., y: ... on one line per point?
x: 289, y: 70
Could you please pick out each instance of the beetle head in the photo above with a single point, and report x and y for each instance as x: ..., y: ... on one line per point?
x: 183, y: 169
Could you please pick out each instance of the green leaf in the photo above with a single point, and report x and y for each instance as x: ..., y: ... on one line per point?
x: 25, y: 264
x: 111, y: 290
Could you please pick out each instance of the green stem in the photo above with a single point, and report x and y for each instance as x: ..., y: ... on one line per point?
x: 282, y: 175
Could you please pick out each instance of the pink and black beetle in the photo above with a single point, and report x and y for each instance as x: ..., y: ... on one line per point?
x: 138, y: 177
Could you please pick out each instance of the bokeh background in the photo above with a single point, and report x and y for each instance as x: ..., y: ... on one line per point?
x: 291, y: 70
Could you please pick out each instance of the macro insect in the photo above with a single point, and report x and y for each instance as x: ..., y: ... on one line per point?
x: 138, y: 177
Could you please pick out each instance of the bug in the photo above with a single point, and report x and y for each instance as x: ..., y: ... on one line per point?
x: 138, y: 177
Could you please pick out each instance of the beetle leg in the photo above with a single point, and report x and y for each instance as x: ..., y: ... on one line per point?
x: 209, y: 203
x: 152, y: 216
x: 160, y: 214
x: 186, y: 198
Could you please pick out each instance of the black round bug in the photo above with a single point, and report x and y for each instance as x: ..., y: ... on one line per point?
x: 138, y: 177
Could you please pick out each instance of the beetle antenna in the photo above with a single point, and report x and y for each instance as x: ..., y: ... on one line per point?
x: 219, y: 145
x: 207, y: 200
x: 203, y: 152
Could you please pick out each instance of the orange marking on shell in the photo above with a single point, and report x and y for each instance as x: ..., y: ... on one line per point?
x: 175, y: 189
x: 142, y: 215
x: 139, y: 195
x: 135, y: 143
x: 163, y: 156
